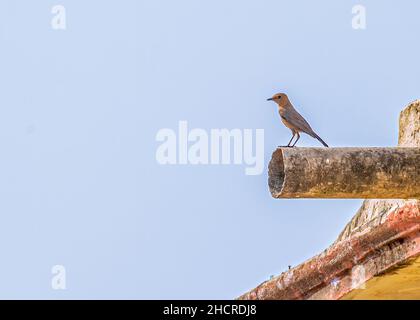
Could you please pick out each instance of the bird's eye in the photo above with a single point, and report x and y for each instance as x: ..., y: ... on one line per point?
x: 279, y: 97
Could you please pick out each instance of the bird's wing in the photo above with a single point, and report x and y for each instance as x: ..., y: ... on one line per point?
x: 294, y: 118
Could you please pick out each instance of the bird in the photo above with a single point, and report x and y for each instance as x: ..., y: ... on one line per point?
x: 292, y: 119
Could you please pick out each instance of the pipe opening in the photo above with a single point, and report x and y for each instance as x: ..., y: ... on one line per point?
x: 276, y: 173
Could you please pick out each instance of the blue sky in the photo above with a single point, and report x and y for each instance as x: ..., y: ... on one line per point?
x: 80, y: 109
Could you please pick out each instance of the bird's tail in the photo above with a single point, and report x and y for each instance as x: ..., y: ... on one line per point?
x: 319, y: 139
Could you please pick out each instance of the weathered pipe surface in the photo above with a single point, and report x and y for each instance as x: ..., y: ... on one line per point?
x: 358, y: 173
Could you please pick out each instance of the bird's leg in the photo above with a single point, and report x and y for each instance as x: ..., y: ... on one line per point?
x: 296, y: 139
x: 294, y: 133
x: 288, y: 145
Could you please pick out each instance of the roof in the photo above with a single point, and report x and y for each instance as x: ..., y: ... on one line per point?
x: 351, y: 262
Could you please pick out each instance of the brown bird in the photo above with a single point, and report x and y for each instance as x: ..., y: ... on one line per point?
x: 292, y: 119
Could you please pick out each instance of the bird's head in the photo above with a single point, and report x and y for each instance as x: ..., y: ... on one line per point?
x: 280, y: 98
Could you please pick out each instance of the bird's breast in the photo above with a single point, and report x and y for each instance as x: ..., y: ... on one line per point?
x: 283, y: 118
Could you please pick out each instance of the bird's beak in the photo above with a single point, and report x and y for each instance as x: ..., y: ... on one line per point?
x: 270, y: 99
